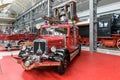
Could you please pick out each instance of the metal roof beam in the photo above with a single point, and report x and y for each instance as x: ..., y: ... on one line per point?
x: 32, y: 8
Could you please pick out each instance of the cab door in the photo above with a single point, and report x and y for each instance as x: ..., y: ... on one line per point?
x: 72, y: 40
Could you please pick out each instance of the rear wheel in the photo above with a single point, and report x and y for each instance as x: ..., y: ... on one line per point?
x: 79, y: 47
x: 118, y: 43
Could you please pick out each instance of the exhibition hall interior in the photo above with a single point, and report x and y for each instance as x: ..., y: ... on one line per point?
x: 59, y: 39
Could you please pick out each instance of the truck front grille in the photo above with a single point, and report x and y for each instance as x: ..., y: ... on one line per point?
x: 40, y: 46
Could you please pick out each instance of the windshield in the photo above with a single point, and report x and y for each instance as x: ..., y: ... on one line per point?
x: 59, y: 31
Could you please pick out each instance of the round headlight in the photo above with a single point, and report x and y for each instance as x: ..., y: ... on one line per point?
x: 27, y: 63
x: 23, y: 47
x: 53, y: 49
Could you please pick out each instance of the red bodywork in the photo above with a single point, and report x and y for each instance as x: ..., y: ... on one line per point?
x: 31, y: 37
x: 14, y: 38
x: 70, y: 42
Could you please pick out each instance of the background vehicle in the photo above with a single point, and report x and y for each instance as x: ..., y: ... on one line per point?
x: 108, y: 31
x: 9, y: 37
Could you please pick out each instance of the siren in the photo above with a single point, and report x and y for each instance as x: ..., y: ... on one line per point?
x: 66, y: 21
x: 46, y: 22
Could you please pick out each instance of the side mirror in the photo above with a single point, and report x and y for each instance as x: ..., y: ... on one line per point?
x: 66, y: 36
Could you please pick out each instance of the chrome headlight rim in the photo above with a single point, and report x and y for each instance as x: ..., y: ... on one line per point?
x: 53, y: 49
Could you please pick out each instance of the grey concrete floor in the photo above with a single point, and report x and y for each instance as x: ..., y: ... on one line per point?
x: 8, y: 53
x: 111, y: 51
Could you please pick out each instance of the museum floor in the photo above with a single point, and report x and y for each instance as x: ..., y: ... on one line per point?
x: 88, y: 66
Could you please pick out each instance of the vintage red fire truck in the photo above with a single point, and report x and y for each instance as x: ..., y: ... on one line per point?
x: 11, y: 40
x: 57, y: 45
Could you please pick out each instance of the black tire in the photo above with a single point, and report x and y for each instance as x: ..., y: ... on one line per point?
x: 64, y: 63
x: 62, y: 68
x: 19, y: 42
x: 79, y: 53
x: 17, y: 47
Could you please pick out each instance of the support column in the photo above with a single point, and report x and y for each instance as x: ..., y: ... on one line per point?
x: 48, y: 8
x: 31, y: 21
x: 93, y: 25
x: 50, y: 12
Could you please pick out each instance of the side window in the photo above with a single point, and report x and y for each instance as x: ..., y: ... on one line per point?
x: 103, y: 24
x: 71, y: 31
x: 77, y: 32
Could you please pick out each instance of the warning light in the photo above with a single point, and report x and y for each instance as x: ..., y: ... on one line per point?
x: 66, y: 20
x: 46, y: 22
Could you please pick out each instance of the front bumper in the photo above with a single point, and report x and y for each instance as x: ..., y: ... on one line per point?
x: 36, y: 64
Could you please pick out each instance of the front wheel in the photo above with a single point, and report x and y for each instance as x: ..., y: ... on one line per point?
x: 62, y: 68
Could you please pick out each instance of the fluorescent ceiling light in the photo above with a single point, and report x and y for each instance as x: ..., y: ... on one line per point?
x: 7, y: 1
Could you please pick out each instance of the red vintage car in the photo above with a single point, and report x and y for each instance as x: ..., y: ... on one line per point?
x: 57, y: 45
